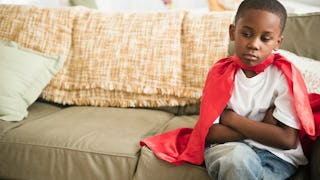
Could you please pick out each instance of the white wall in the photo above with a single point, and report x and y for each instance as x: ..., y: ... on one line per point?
x: 51, y: 3
x: 149, y: 5
x: 301, y: 6
x: 293, y: 6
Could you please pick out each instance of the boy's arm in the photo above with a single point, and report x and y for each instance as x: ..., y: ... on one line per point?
x: 275, y: 135
x: 219, y: 133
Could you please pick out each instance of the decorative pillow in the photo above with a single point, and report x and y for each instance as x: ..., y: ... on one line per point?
x: 205, y: 40
x: 86, y: 3
x: 140, y: 59
x: 23, y: 75
x: 122, y: 59
x: 309, y: 68
x: 46, y: 30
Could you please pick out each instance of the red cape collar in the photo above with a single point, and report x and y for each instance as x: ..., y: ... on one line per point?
x: 257, y: 68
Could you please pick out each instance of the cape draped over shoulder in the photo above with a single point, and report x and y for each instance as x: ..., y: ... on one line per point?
x: 188, y: 144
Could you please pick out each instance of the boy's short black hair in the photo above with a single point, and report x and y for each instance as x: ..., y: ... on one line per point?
x: 272, y: 6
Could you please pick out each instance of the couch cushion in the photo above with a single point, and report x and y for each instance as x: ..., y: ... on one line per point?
x: 36, y: 110
x: 178, y: 122
x: 150, y: 167
x: 80, y: 143
x: 301, y: 35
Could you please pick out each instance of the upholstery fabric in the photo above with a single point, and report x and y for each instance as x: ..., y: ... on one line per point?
x: 76, y: 142
x: 149, y: 167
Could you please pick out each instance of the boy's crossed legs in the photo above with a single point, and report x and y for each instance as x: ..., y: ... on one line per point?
x: 238, y: 160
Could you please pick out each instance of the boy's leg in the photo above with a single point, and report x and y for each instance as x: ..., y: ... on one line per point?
x: 273, y: 166
x: 233, y: 160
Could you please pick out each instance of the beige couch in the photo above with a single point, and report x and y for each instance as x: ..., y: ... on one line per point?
x: 89, y: 120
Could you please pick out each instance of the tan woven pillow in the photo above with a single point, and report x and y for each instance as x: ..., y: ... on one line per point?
x: 44, y: 30
x: 122, y: 59
x: 205, y: 40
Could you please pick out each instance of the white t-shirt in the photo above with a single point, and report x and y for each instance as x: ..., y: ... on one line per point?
x: 252, y: 97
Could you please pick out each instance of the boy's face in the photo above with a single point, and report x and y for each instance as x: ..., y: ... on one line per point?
x: 256, y: 34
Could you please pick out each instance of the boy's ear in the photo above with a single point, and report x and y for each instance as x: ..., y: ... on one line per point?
x: 279, y: 42
x: 232, y: 29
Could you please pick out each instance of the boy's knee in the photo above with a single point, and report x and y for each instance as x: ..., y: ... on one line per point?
x: 239, y: 160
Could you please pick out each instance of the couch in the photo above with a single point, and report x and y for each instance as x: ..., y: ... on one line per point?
x: 122, y: 77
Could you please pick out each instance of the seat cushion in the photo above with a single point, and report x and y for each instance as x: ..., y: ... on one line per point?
x: 150, y: 167
x: 80, y: 143
x: 36, y: 110
x: 178, y: 122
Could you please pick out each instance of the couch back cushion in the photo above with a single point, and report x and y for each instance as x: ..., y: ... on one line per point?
x: 301, y: 35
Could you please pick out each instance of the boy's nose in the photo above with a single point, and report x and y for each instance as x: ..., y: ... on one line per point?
x: 254, y: 44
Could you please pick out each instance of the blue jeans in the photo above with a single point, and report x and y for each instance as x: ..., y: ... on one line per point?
x: 238, y: 160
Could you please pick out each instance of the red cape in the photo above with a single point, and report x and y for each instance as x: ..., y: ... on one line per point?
x: 187, y: 144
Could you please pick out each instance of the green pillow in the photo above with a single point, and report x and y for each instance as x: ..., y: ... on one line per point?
x: 24, y: 73
x: 86, y: 3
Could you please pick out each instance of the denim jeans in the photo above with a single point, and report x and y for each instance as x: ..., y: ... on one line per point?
x: 238, y: 160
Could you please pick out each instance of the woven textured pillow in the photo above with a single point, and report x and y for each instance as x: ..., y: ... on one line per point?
x: 41, y: 29
x: 205, y: 40
x: 122, y: 59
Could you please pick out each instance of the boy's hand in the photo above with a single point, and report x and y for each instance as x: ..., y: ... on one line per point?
x: 268, y: 118
x: 227, y: 117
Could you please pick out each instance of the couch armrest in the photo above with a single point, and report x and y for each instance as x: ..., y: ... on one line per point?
x: 315, y: 160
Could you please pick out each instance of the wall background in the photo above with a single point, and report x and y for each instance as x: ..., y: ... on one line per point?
x: 293, y: 6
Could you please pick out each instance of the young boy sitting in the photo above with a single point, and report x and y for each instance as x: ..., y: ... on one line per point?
x: 256, y: 136
x: 253, y: 107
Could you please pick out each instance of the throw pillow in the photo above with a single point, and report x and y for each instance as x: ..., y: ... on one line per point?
x: 309, y: 69
x: 23, y: 75
x: 86, y: 3
x: 204, y: 41
x: 123, y: 60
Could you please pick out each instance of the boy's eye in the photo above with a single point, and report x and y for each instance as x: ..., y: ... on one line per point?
x: 265, y: 39
x: 246, y: 34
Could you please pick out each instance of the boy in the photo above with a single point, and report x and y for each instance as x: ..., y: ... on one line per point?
x: 253, y: 105
x: 250, y: 139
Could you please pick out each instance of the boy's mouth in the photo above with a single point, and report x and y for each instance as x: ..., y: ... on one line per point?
x: 250, y: 57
